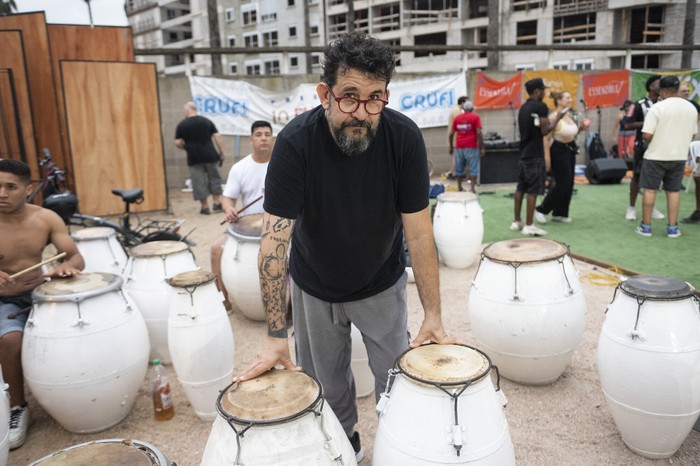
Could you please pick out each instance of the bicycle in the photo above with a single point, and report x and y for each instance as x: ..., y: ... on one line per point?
x: 65, y: 204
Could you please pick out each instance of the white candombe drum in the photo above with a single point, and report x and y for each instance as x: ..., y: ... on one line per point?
x: 200, y: 340
x: 4, y: 421
x: 113, y: 452
x: 85, y: 351
x: 458, y: 227
x: 146, y: 272
x: 649, y: 363
x: 527, y: 308
x: 440, y: 407
x: 279, y: 418
x: 364, y: 379
x: 100, y: 249
x: 239, y: 266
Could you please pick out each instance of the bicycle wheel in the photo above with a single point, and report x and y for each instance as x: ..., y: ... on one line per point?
x: 162, y: 236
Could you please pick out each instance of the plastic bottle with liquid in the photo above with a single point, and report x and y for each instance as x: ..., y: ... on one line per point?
x: 162, y: 397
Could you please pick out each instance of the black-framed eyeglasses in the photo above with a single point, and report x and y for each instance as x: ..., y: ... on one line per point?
x: 348, y: 105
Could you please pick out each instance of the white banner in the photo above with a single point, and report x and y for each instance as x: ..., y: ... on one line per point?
x: 234, y: 105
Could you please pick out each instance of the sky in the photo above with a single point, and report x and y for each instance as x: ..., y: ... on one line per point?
x: 104, y: 12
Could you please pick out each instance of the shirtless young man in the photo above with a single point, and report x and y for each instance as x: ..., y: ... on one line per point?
x: 25, y: 229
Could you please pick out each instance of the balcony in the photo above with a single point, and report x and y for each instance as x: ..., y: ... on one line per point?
x: 421, y: 17
x: 575, y: 7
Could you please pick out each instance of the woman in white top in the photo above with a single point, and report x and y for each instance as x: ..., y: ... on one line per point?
x: 563, y: 150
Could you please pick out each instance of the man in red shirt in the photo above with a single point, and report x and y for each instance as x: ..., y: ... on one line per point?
x: 470, y: 145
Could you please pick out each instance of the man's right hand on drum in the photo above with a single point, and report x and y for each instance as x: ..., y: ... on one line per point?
x: 275, y: 352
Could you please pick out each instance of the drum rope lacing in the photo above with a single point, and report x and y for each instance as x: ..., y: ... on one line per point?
x: 457, y: 440
x: 318, y: 402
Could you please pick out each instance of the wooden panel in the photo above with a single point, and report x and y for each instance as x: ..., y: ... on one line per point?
x: 10, y: 137
x: 12, y: 58
x: 72, y: 42
x: 113, y: 121
x: 40, y: 78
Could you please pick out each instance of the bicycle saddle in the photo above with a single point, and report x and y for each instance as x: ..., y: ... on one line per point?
x: 129, y: 195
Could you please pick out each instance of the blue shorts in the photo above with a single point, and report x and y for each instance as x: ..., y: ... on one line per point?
x: 12, y: 317
x: 467, y: 158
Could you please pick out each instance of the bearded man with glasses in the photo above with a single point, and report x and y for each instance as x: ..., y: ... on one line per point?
x: 346, y: 181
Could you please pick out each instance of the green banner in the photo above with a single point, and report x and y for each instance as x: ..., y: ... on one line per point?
x: 690, y: 78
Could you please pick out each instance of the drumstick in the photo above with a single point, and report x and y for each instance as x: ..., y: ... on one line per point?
x: 245, y: 207
x: 36, y: 266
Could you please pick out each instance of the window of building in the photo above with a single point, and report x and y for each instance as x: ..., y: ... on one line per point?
x: 573, y: 28
x: 251, y: 39
x: 292, y: 31
x: 268, y: 17
x: 252, y: 69
x: 171, y: 13
x: 293, y: 62
x: 387, y: 18
x: 233, y: 68
x: 315, y: 59
x: 525, y: 67
x: 172, y: 35
x: 478, y: 8
x: 313, y: 29
x: 337, y: 25
x: 438, y: 38
x: 362, y: 20
x: 230, y: 15
x: 584, y: 64
x: 527, y: 5
x: 249, y: 14
x: 290, y: 2
x: 526, y: 33
x: 646, y: 61
x: 312, y: 2
x: 561, y: 64
x: 647, y: 25
x: 231, y: 41
x: 272, y: 67
x: 269, y: 39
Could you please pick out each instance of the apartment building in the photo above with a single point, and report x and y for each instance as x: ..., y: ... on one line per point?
x: 271, y: 23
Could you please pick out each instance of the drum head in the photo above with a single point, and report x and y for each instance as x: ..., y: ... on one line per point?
x: 158, y: 248
x: 83, y: 285
x: 444, y: 364
x: 457, y: 196
x: 93, y: 233
x: 248, y: 225
x: 192, y: 278
x: 91, y: 454
x: 656, y: 287
x: 523, y: 250
x: 275, y: 395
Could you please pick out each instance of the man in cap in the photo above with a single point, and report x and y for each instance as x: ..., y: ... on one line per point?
x: 668, y: 129
x: 532, y: 166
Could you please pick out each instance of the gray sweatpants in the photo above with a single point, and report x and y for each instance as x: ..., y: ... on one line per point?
x: 324, y: 349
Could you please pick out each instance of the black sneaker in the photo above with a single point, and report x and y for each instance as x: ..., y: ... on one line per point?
x: 355, y: 442
x: 694, y: 218
x: 217, y: 207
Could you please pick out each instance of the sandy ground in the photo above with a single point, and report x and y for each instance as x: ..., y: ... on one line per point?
x: 565, y: 423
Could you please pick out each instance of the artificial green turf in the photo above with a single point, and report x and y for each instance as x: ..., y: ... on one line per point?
x: 599, y: 230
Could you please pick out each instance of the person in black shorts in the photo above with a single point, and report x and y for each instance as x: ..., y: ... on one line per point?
x: 532, y: 166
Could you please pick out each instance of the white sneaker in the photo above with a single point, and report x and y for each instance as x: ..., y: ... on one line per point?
x: 533, y: 230
x: 631, y: 213
x: 561, y: 219
x: 516, y: 226
x: 19, y: 424
x: 656, y: 215
x: 540, y: 217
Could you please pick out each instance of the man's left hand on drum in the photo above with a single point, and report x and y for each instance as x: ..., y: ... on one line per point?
x: 275, y: 352
x: 433, y: 331
x: 62, y: 271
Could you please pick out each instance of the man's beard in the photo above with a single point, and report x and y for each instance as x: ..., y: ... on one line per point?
x: 350, y: 146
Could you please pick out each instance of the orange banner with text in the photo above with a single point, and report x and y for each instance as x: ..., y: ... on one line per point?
x: 492, y: 94
x: 556, y: 81
x: 609, y: 89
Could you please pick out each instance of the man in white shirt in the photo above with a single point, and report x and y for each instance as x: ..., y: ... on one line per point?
x: 668, y: 129
x: 247, y: 181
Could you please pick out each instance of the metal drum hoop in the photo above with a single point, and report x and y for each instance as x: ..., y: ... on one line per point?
x: 115, y: 284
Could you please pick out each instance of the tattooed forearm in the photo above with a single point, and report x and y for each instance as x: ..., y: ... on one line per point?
x: 272, y: 266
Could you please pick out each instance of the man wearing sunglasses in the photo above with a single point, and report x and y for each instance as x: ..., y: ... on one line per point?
x: 346, y: 181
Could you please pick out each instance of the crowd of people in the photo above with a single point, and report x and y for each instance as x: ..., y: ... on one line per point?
x: 343, y: 188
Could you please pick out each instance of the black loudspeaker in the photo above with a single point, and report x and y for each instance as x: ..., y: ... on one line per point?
x: 606, y: 171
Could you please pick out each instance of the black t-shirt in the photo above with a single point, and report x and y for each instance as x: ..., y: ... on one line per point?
x: 197, y: 132
x: 641, y: 107
x: 347, y: 240
x: 529, y: 122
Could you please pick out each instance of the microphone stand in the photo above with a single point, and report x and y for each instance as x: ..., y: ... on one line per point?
x: 515, y: 121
